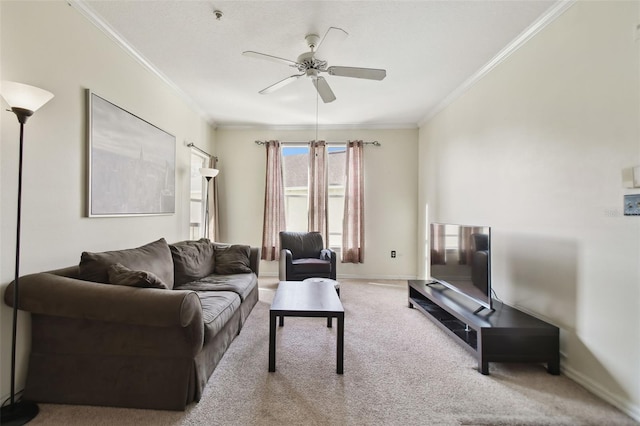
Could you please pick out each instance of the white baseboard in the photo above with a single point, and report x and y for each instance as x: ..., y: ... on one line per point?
x: 617, y: 401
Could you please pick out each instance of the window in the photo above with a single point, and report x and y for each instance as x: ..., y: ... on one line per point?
x: 198, y: 188
x: 295, y: 165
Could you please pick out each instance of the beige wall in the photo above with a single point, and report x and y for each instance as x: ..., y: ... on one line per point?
x: 536, y: 150
x: 50, y: 45
x: 391, y: 175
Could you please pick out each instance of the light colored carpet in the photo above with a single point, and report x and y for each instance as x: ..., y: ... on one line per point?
x: 399, y: 369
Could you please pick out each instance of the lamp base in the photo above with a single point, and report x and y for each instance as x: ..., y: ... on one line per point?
x: 18, y: 413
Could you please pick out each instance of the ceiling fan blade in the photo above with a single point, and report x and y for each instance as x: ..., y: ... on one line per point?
x: 280, y: 84
x: 324, y: 90
x: 368, y: 73
x: 252, y: 54
x: 331, y: 37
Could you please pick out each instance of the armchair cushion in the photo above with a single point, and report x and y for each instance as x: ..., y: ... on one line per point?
x: 302, y: 244
x: 313, y: 267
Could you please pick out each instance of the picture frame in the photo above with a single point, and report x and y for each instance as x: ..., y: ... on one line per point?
x: 131, y: 163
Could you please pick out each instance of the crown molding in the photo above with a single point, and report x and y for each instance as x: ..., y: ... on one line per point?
x: 294, y: 127
x: 87, y: 12
x: 548, y: 17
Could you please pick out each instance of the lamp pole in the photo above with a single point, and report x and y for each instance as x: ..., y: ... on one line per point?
x: 206, y: 209
x: 24, y: 100
x: 207, y: 173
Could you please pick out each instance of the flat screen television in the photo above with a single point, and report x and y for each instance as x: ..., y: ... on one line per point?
x: 461, y: 260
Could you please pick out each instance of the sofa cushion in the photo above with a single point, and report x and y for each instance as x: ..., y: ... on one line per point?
x: 192, y: 260
x: 121, y: 275
x: 154, y: 257
x: 241, y: 284
x: 232, y: 259
x: 217, y: 308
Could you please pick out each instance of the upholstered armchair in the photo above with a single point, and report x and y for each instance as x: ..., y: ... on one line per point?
x: 303, y: 256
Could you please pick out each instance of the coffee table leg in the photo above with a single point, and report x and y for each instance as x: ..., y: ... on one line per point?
x: 272, y: 342
x: 340, y: 344
x: 329, y: 322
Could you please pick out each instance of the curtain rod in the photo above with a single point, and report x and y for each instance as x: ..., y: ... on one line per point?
x: 374, y: 143
x: 191, y: 145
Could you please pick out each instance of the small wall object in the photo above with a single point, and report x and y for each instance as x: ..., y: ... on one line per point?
x: 631, y: 177
x: 632, y: 205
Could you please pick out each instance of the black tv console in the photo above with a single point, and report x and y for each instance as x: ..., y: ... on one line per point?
x: 502, y: 335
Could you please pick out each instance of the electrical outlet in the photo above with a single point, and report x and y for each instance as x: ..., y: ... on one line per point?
x: 393, y: 254
x: 632, y: 205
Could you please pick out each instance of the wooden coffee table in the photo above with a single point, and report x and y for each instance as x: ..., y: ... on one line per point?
x: 306, y: 299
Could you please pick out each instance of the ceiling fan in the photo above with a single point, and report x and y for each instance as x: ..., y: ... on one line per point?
x: 311, y: 65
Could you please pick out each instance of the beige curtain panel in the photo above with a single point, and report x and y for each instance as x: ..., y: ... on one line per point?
x: 353, y: 221
x: 274, y: 219
x: 318, y: 190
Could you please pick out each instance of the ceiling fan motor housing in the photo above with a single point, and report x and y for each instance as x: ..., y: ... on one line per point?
x: 307, y: 61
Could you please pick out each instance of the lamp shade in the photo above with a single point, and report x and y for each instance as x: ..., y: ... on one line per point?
x: 209, y: 172
x: 23, y: 96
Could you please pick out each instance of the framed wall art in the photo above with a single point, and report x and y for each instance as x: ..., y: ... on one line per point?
x: 132, y: 163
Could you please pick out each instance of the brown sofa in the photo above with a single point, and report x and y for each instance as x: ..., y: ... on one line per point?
x: 139, y: 328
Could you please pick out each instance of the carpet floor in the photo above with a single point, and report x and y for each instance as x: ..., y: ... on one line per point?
x: 399, y: 369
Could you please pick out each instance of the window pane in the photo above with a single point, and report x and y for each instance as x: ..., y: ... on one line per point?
x: 295, y: 165
x: 196, y: 205
x: 336, y: 172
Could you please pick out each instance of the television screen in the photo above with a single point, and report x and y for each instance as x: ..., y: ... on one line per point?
x: 461, y: 259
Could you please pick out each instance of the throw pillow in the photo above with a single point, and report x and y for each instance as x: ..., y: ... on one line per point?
x: 121, y: 275
x: 192, y: 260
x: 153, y: 257
x: 232, y: 259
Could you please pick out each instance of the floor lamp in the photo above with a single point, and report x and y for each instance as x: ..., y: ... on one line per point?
x: 207, y: 173
x: 24, y: 100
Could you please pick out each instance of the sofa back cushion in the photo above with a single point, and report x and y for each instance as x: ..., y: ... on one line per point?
x: 154, y: 257
x: 192, y: 260
x: 233, y: 259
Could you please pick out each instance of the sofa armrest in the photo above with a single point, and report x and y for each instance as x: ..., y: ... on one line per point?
x: 254, y: 260
x: 286, y: 258
x: 50, y: 294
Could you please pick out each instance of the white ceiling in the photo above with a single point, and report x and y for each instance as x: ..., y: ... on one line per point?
x: 429, y: 49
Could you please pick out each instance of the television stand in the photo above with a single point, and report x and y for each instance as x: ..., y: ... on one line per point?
x: 503, y: 334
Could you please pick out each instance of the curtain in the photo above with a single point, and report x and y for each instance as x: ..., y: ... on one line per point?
x: 274, y: 220
x: 214, y: 227
x: 318, y: 190
x: 353, y: 221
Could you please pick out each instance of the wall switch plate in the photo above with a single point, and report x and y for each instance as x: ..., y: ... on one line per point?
x: 632, y: 205
x: 393, y: 254
x: 631, y: 177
